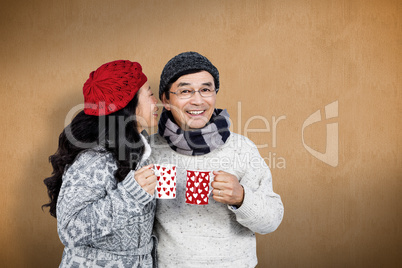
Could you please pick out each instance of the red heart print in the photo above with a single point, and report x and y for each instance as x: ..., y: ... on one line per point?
x: 159, y: 189
x: 169, y: 171
x: 168, y: 182
x: 167, y: 193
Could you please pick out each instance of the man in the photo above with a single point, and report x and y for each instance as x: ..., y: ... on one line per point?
x: 194, y: 135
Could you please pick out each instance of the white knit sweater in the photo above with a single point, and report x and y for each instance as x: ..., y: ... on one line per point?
x: 215, y: 235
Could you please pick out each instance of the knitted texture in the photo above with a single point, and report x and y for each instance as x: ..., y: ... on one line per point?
x: 215, y: 235
x: 198, y: 141
x: 112, y: 86
x: 184, y: 62
x: 103, y: 223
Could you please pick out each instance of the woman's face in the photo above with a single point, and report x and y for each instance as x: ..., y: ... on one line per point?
x: 146, y: 112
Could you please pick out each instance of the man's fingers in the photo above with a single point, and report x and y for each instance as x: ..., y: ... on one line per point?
x: 218, y: 185
x: 221, y: 176
x: 218, y: 192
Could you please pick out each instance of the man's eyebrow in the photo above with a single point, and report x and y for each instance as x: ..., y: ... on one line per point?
x: 209, y: 84
x: 182, y: 84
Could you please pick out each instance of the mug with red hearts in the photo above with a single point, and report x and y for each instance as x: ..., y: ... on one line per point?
x: 166, y: 185
x: 198, y: 187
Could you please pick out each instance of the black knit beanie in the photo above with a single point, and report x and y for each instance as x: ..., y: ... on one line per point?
x: 185, y: 62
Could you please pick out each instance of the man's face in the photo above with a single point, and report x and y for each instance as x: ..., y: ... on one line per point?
x: 195, y: 112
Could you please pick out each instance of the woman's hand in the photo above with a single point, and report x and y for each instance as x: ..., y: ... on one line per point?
x: 146, y: 178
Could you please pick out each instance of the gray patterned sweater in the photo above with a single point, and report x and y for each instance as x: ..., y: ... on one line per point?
x: 216, y: 235
x: 103, y: 223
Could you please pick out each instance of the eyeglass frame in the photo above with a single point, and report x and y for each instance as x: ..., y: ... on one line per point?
x: 194, y: 91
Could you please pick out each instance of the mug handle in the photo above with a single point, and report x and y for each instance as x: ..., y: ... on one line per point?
x: 211, y: 179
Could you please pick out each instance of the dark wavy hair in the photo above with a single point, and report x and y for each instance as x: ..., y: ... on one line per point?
x: 117, y: 133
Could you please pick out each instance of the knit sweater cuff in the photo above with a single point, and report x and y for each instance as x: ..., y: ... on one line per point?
x: 246, y: 211
x: 136, y: 190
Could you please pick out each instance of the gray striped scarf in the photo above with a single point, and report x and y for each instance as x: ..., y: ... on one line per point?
x: 199, y: 141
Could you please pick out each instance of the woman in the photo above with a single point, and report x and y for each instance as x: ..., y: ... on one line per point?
x: 101, y: 191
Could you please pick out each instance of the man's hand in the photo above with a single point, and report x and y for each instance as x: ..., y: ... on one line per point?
x: 227, y: 189
x: 146, y: 178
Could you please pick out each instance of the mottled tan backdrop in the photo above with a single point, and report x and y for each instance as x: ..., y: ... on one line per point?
x: 280, y: 62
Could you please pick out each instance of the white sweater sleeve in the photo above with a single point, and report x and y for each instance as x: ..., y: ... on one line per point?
x: 91, y: 204
x: 262, y: 209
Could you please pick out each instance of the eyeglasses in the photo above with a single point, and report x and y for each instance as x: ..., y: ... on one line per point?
x: 188, y: 93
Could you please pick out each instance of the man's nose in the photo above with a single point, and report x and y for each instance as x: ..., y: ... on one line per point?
x: 197, y: 98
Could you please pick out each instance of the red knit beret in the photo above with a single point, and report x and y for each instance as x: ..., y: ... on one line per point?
x: 112, y: 86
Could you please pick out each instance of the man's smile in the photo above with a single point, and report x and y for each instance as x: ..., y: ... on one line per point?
x: 196, y: 112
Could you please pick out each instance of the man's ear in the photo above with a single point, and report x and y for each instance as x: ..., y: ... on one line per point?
x: 166, y: 102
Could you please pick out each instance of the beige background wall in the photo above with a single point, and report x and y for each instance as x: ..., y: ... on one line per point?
x: 277, y: 59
